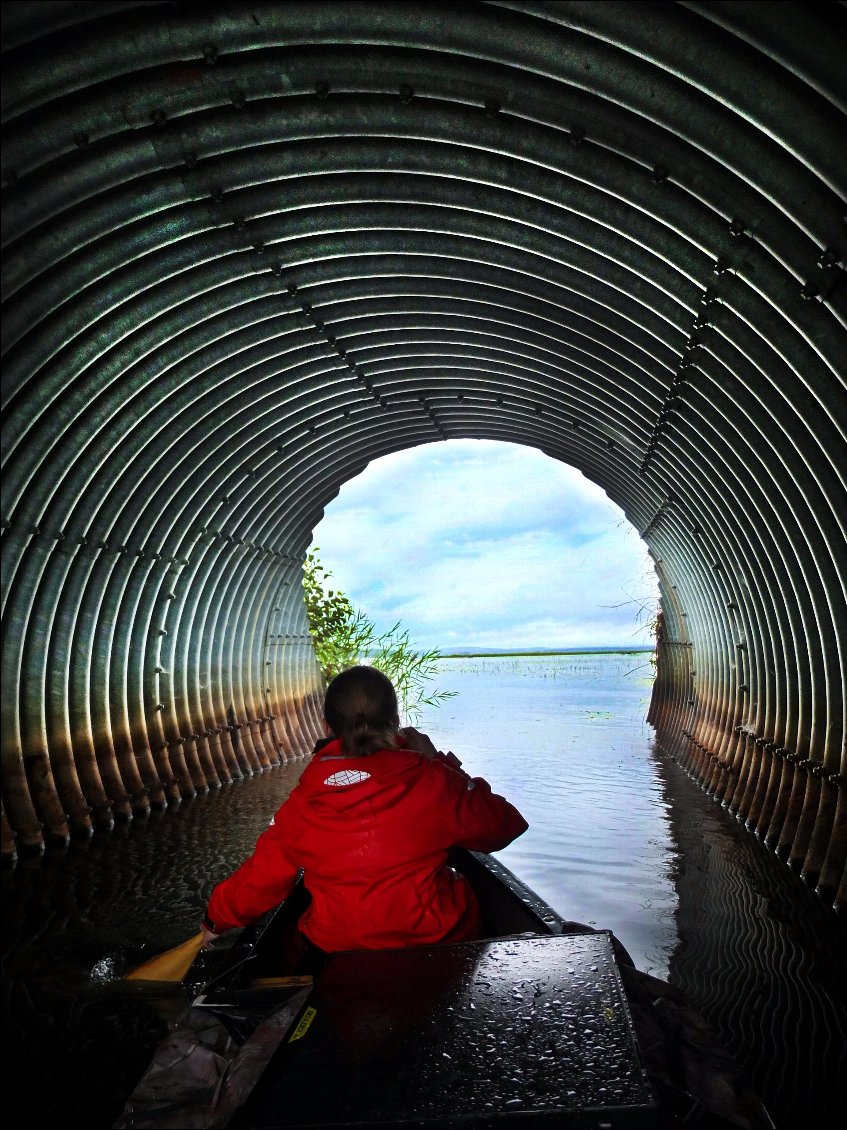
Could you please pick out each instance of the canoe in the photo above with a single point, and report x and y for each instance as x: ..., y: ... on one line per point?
x: 542, y: 1021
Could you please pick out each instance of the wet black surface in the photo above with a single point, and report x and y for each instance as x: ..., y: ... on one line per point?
x: 452, y: 1034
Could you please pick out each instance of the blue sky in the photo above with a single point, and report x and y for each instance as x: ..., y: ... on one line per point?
x: 477, y: 543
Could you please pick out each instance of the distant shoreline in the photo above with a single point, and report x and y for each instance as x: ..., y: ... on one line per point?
x: 492, y: 654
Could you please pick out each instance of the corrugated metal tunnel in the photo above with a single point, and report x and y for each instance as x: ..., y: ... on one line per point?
x: 248, y: 248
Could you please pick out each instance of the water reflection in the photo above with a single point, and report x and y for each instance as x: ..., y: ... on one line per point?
x: 565, y: 738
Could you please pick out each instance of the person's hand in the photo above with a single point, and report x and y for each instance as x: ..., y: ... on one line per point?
x: 419, y: 742
x: 208, y: 937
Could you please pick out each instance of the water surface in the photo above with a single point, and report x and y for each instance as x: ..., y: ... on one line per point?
x: 564, y: 737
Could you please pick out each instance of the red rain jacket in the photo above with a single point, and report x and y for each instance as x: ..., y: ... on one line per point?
x: 372, y: 835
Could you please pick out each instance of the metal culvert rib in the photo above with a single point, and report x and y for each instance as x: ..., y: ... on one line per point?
x: 248, y: 250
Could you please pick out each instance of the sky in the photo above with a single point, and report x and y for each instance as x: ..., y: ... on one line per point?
x: 477, y: 543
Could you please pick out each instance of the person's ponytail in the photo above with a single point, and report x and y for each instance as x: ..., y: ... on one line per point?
x: 361, y: 710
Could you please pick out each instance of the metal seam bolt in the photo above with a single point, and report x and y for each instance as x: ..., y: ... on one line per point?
x: 828, y: 258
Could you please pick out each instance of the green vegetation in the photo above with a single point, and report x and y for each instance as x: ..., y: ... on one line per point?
x: 344, y: 636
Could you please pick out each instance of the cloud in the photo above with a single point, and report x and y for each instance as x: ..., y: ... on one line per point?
x: 487, y: 544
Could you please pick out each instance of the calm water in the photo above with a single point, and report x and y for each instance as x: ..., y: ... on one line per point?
x: 564, y: 738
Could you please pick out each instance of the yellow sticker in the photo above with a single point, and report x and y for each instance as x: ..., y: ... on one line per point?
x: 303, y: 1027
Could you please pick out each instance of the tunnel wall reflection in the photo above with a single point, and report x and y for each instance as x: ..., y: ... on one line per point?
x: 249, y: 248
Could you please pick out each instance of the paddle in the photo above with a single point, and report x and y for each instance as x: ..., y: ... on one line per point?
x: 172, y: 965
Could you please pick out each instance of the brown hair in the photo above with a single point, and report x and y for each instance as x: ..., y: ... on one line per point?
x: 360, y: 708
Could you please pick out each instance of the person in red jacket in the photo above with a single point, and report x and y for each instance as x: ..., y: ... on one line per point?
x: 369, y: 825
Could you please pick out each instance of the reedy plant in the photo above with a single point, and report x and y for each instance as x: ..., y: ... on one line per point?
x: 344, y: 636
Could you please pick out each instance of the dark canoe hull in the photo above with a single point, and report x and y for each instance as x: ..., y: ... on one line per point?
x: 545, y: 1021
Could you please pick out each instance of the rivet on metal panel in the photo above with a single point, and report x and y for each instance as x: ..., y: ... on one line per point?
x: 577, y: 135
x: 492, y: 107
x: 828, y: 258
x: 736, y: 227
x: 190, y: 159
x: 808, y: 292
x: 660, y: 174
x: 217, y: 196
x: 292, y: 289
x: 210, y: 53
x: 322, y: 89
x: 406, y: 94
x: 238, y: 99
x: 708, y: 297
x: 721, y: 265
x: 160, y: 706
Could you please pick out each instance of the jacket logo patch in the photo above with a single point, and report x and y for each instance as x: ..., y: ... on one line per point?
x: 347, y: 777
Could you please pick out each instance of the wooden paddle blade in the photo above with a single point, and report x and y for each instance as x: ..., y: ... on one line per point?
x: 172, y: 965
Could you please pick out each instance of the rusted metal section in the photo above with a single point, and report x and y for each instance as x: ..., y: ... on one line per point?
x: 249, y: 249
